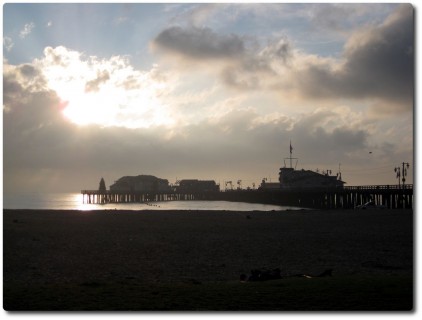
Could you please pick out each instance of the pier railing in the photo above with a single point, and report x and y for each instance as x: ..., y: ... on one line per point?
x: 381, y: 187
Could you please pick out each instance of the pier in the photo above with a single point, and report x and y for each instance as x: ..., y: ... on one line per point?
x: 390, y: 196
x: 97, y: 197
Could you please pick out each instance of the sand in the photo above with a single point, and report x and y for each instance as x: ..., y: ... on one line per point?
x: 42, y: 246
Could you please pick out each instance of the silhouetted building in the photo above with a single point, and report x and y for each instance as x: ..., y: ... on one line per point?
x: 141, y: 183
x: 102, y: 187
x: 290, y: 178
x: 195, y: 185
x: 269, y: 185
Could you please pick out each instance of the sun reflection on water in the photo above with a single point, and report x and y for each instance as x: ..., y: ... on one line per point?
x: 76, y: 201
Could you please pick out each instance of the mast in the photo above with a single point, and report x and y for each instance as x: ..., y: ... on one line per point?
x: 290, y: 158
x: 291, y: 150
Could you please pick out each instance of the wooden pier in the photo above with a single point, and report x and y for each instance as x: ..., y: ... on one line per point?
x: 390, y: 196
x: 98, y: 197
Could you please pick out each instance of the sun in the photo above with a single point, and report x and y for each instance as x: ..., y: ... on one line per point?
x: 112, y: 106
x: 108, y: 92
x: 85, y: 109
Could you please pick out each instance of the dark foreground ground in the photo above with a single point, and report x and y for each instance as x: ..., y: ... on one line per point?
x: 192, y: 260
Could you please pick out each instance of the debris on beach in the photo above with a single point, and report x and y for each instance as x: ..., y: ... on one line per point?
x: 274, y: 274
x: 326, y: 273
x: 262, y: 275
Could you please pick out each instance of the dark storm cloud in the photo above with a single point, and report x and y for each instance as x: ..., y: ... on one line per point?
x: 200, y: 43
x: 379, y: 63
x: 386, y: 63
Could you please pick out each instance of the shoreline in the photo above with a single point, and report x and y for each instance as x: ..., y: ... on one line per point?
x: 170, y: 210
x: 155, y: 205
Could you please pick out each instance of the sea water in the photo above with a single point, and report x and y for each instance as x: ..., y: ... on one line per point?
x: 74, y: 201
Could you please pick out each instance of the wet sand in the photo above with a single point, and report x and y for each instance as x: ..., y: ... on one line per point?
x: 48, y: 246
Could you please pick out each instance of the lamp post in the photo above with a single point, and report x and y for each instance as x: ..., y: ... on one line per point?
x: 402, y: 174
x: 405, y: 166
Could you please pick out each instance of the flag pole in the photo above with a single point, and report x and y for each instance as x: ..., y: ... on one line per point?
x: 291, y: 149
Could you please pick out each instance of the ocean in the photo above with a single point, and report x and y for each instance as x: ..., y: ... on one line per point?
x: 73, y: 201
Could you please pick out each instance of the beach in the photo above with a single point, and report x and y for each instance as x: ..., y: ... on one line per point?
x: 50, y: 250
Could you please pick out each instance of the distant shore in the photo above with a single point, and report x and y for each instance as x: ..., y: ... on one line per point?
x: 163, y: 247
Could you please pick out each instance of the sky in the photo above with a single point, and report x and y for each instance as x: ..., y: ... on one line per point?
x: 205, y: 91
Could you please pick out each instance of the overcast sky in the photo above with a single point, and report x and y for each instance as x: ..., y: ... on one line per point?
x: 206, y: 91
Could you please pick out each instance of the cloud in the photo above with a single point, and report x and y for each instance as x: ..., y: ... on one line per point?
x: 42, y: 148
x: 8, y: 43
x: 44, y: 151
x: 331, y: 16
x: 197, y: 14
x: 236, y: 79
x: 199, y: 43
x: 238, y: 61
x: 341, y: 18
x: 27, y: 29
x: 93, y: 85
x: 384, y: 57
x: 258, y: 70
x: 377, y: 62
x: 107, y: 91
x: 210, y: 133
x: 59, y: 56
x: 280, y: 49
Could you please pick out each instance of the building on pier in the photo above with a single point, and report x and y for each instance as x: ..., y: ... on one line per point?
x: 102, y: 187
x: 269, y: 185
x: 141, y: 183
x: 195, y: 185
x: 290, y: 178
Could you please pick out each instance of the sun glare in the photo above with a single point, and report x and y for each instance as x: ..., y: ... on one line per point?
x: 101, y: 93
x: 113, y: 107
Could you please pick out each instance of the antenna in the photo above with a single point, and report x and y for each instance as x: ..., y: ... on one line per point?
x: 291, y: 158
